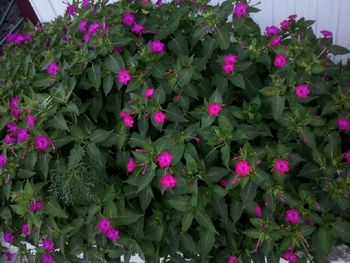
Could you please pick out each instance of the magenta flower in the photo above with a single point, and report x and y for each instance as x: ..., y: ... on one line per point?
x: 10, y: 138
x: 343, y: 124
x: 11, y: 127
x: 71, y: 10
x: 124, y: 76
x: 164, y: 159
x: 9, y: 256
x: 86, y: 37
x: 232, y: 259
x: 280, y: 60
x: 47, y: 258
x: 137, y: 29
x: 149, y: 93
x: 128, y: 19
x: 241, y: 9
x: 104, y: 225
x: 131, y: 165
x: 42, y: 142
x: 281, y: 166
x: 36, y: 206
x: 85, y: 3
x: 3, y: 160
x: 230, y: 59
x: 302, y: 91
x: 292, y: 17
x: 157, y: 46
x: 113, y: 234
x: 8, y: 237
x: 271, y: 31
x: 22, y: 135
x: 326, y: 33
x: 14, y: 102
x: 346, y: 157
x: 128, y: 121
x: 214, y: 109
x: 223, y: 183
x: 31, y: 121
x: 48, y: 244
x: 285, y: 25
x: 168, y: 181
x: 228, y: 68
x: 293, y: 216
x: 258, y: 211
x: 82, y: 25
x: 290, y: 256
x: 24, y: 229
x: 15, y: 112
x: 275, y: 41
x: 52, y: 69
x: 242, y: 168
x: 159, y: 117
x: 93, y: 28
x: 118, y: 49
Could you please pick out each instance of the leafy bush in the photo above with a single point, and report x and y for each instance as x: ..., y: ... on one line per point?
x: 172, y: 130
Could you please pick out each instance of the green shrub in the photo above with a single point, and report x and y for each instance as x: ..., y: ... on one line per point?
x: 188, y: 135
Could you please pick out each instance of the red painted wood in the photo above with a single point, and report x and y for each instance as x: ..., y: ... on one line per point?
x: 27, y: 10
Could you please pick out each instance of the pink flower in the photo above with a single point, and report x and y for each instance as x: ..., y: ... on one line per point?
x: 157, y: 46
x: 223, y: 183
x: 228, y: 68
x: 10, y: 139
x: 128, y: 19
x: 36, y: 205
x: 3, y: 160
x: 302, y: 91
x: 242, y: 168
x: 232, y: 259
x: 128, y: 121
x: 71, y: 10
x: 280, y: 60
x: 86, y: 37
x: 292, y: 17
x: 164, y: 159
x: 346, y: 156
x: 42, y: 142
x: 124, y: 76
x: 230, y: 59
x: 149, y: 93
x: 22, y: 135
x: 15, y: 112
x: 8, y: 237
x: 47, y: 258
x: 11, y: 127
x: 93, y: 28
x: 168, y: 181
x: 52, y: 69
x: 293, y: 216
x: 9, y: 256
x: 118, y: 49
x: 137, y: 29
x: 131, y: 165
x: 82, y: 25
x: 343, y: 124
x: 290, y: 256
x: 24, y: 229
x: 48, y: 244
x: 271, y: 30
x: 104, y: 225
x: 86, y: 3
x: 14, y: 102
x: 241, y: 9
x: 214, y: 109
x: 281, y: 166
x: 113, y: 234
x: 159, y: 117
x: 31, y: 120
x: 326, y: 33
x: 258, y: 211
x: 285, y: 25
x: 275, y: 41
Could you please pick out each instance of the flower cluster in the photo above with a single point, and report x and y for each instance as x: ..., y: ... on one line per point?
x: 18, y: 38
x: 105, y: 226
x: 229, y: 63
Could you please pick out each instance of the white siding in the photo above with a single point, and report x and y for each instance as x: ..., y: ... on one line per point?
x: 332, y: 15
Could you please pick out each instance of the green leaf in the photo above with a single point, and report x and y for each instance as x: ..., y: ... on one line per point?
x: 209, y: 45
x: 75, y: 156
x: 185, y: 76
x: 108, y: 84
x: 110, y: 210
x: 248, y: 193
x: 114, y: 63
x: 58, y: 122
x: 43, y: 163
x: 54, y: 209
x: 338, y: 50
x: 322, y: 241
x: 277, y: 106
x: 223, y: 38
x: 206, y: 242
x: 204, y: 220
x: 145, y: 198
x: 238, y: 80
x: 99, y: 135
x: 179, y: 203
x: 252, y: 233
x: 179, y: 45
x: 236, y: 210
x: 186, y: 222
x: 128, y: 217
x: 341, y: 229
x: 94, y: 75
